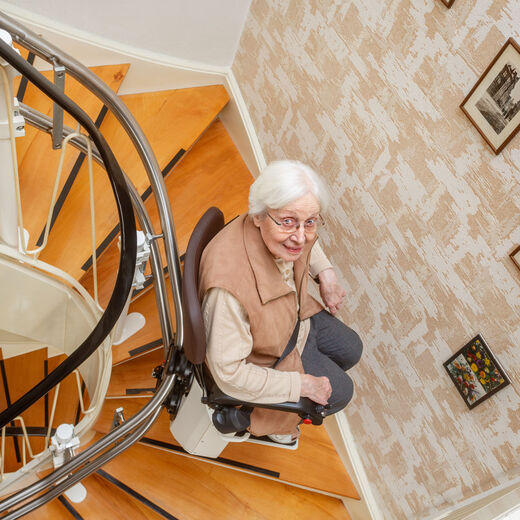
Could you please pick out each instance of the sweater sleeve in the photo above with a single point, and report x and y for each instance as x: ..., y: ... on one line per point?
x: 318, y: 262
x: 229, y: 342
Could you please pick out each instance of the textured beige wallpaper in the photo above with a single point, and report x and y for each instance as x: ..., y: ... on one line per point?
x: 423, y: 219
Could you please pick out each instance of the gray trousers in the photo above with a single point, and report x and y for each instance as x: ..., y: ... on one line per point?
x: 331, y: 349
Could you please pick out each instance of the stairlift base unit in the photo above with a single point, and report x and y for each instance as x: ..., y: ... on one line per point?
x: 193, y: 427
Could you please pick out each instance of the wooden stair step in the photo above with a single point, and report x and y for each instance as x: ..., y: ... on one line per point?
x: 106, y: 500
x: 134, y: 377
x: 190, y: 488
x: 149, y: 337
x: 22, y: 373
x: 55, y: 510
x: 38, y: 162
x: 315, y: 464
x: 212, y: 174
x: 172, y: 120
x: 68, y: 406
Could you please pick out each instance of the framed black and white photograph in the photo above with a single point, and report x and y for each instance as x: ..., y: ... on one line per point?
x: 448, y: 3
x: 493, y: 104
x: 475, y: 372
x: 515, y: 256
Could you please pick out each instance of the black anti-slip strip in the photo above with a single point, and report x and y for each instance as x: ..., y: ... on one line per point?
x: 102, y: 247
x: 222, y: 460
x: 8, y: 402
x: 137, y: 391
x: 144, y: 348
x: 69, y: 508
x: 70, y: 180
x: 32, y: 431
x: 136, y: 495
x: 144, y: 196
x: 24, y: 81
x: 46, y: 398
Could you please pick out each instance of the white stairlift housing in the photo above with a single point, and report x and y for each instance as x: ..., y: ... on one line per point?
x: 193, y: 427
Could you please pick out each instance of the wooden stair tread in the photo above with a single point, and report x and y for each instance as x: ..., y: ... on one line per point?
x: 106, y: 500
x: 189, y: 488
x: 149, y: 334
x: 212, y: 174
x: 38, y: 162
x: 53, y: 509
x: 23, y: 372
x: 135, y: 374
x: 315, y: 464
x: 159, y: 114
x: 68, y: 406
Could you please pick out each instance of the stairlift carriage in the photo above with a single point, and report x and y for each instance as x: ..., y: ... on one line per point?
x: 60, y: 314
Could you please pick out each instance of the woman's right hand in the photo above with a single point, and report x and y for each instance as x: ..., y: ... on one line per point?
x: 317, y: 389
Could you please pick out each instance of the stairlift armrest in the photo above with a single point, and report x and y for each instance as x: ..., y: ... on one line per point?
x: 308, y: 410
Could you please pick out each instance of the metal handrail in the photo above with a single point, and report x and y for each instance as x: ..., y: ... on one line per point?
x: 54, y: 55
x: 44, y: 123
x: 131, y: 430
x: 125, y: 274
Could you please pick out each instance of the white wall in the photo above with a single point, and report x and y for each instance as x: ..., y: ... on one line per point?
x: 203, y: 31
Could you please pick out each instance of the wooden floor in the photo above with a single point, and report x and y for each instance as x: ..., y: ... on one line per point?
x: 202, y: 168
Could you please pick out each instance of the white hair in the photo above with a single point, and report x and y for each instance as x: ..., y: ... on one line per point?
x: 282, y: 182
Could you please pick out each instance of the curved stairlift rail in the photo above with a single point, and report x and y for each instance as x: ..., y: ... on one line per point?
x: 130, y: 431
x: 54, y: 55
x: 125, y: 275
x: 44, y: 123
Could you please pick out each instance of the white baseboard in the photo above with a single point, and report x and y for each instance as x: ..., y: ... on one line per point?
x: 240, y: 127
x: 339, y: 431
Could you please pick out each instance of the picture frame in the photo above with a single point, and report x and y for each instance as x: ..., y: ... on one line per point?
x: 448, y: 3
x: 475, y: 372
x: 515, y: 256
x: 493, y: 104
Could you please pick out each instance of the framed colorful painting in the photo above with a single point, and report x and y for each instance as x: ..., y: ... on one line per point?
x: 475, y: 372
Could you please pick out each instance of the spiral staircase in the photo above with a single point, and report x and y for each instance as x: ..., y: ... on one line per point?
x: 72, y: 354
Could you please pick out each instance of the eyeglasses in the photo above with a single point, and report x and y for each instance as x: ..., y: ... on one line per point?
x: 291, y: 225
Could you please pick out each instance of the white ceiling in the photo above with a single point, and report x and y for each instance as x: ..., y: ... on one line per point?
x: 203, y: 31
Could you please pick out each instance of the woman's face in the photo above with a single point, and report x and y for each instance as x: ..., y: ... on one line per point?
x: 288, y: 246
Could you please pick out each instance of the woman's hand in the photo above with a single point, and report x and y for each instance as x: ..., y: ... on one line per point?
x: 331, y: 292
x: 317, y: 389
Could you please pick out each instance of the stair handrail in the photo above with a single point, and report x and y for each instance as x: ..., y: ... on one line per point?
x: 44, y: 123
x: 124, y: 280
x: 133, y: 428
x: 81, y: 73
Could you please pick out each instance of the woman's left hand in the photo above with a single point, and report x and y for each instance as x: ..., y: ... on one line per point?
x: 331, y: 292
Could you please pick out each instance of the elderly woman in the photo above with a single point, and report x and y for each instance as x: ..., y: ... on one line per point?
x: 268, y: 340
